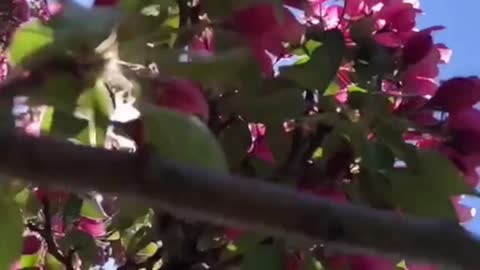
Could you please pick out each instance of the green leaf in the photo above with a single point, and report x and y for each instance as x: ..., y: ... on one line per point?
x: 426, y: 190
x: 225, y: 8
x: 135, y: 5
x: 245, y: 243
x: 71, y: 210
x: 323, y: 65
x: 227, y: 65
x: 31, y: 261
x: 264, y: 257
x: 269, y: 108
x: 391, y: 134
x: 62, y: 124
x: 279, y: 141
x: 312, y: 45
x: 95, y: 100
x: 235, y: 141
x: 139, y: 240
x: 332, y: 90
x: 148, y: 251
x: 92, y: 208
x: 27, y: 202
x: 52, y: 263
x: 83, y: 243
x: 11, y: 229
x: 312, y: 264
x: 182, y: 138
x: 72, y: 29
x: 29, y: 39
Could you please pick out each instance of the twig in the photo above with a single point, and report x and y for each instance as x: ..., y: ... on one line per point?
x: 184, y: 12
x: 48, y: 235
x: 196, y: 193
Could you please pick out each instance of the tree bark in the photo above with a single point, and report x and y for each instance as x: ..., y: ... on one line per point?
x: 191, y: 192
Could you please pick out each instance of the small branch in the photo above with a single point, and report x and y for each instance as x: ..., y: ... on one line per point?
x: 184, y: 12
x: 48, y: 235
x: 196, y: 193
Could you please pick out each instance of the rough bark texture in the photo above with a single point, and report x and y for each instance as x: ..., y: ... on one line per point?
x: 192, y: 192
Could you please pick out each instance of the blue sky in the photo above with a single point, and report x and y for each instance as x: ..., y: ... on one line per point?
x: 462, y: 34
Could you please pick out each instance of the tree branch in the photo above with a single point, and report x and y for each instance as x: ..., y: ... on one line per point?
x: 192, y: 192
x: 48, y: 235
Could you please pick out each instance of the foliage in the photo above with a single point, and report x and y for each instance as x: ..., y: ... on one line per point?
x: 351, y: 117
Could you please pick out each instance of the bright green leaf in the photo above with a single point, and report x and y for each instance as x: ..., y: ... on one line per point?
x: 92, y: 208
x: 180, y: 138
x: 11, y: 229
x: 29, y: 39
x: 333, y: 89
x: 312, y: 264
x: 148, y: 251
x: 323, y: 65
x: 427, y: 189
x: 63, y: 124
x: 29, y: 261
x: 264, y: 257
x: 52, y: 263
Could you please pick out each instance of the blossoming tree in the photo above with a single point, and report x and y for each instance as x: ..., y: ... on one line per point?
x: 220, y: 134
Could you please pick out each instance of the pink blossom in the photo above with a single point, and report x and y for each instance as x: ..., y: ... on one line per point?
x: 464, y: 214
x: 445, y: 53
x: 94, y: 228
x: 22, y: 10
x: 421, y: 78
x: 398, y: 17
x: 3, y: 67
x: 464, y: 130
x: 417, y: 48
x: 264, y: 32
x: 417, y: 266
x: 355, y: 8
x: 233, y: 234
x: 182, y: 96
x: 370, y: 263
x: 204, y: 43
x: 33, y: 243
x: 388, y: 39
x: 106, y: 2
x: 457, y: 94
x: 331, y: 16
x: 466, y: 163
x: 259, y: 148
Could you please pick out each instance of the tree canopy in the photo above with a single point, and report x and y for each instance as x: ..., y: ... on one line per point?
x: 247, y: 134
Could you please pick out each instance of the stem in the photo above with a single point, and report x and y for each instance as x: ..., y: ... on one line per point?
x: 197, y: 193
x: 184, y: 12
x: 48, y: 235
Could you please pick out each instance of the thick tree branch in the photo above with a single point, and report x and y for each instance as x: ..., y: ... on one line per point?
x: 192, y: 192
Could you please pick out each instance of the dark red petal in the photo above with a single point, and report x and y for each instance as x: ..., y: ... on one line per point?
x: 457, y: 94
x: 92, y: 227
x: 417, y: 48
x: 182, y: 96
x: 106, y: 2
x: 32, y: 244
